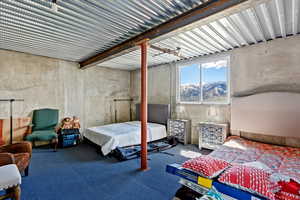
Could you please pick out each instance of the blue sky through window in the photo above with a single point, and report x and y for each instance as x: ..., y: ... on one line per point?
x: 191, y: 74
x: 214, y: 74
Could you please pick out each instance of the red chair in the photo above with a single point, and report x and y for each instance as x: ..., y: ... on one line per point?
x: 19, y: 154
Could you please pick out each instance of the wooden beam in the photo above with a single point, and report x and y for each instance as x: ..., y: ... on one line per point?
x: 200, y: 12
x: 144, y: 105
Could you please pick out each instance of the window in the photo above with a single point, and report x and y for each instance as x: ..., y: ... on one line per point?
x: 205, y: 82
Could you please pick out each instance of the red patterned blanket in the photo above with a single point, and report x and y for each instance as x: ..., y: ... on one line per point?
x: 281, y: 163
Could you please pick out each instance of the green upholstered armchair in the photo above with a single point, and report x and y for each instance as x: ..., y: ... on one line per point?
x: 43, y: 126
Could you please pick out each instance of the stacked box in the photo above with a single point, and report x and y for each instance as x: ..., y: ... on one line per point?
x: 68, y: 137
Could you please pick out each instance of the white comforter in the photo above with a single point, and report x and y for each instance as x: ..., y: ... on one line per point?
x: 123, y: 134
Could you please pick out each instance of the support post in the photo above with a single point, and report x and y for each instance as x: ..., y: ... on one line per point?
x: 11, y: 120
x: 144, y: 111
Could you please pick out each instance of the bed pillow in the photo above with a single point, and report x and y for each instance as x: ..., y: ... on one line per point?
x: 206, y: 166
x: 249, y: 178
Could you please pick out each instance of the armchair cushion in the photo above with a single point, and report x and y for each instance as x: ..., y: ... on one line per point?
x: 44, y: 135
x: 44, y: 119
x: 20, y: 147
x: 6, y: 159
x: 18, y: 153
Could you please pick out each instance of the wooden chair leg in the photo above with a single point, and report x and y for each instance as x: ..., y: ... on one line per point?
x: 55, y: 143
x: 13, y: 193
x: 17, y: 193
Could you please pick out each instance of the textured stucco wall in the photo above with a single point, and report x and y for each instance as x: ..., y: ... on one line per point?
x: 89, y: 94
x: 101, y: 86
x: 52, y: 83
x: 272, y: 64
x: 159, y: 84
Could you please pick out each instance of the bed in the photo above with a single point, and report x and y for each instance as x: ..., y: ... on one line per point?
x: 283, y: 163
x: 110, y: 136
x: 246, y: 169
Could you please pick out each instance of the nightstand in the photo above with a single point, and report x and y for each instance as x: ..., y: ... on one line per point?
x: 180, y: 129
x: 212, y: 135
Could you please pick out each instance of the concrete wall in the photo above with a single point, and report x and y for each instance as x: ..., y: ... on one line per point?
x: 275, y: 64
x: 52, y: 83
x: 265, y: 65
x: 45, y: 82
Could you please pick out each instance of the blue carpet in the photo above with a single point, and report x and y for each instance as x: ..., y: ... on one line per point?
x: 79, y: 173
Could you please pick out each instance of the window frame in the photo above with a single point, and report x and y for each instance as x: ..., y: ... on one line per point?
x: 199, y: 62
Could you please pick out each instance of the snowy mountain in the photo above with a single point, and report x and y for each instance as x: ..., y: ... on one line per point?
x: 211, y: 91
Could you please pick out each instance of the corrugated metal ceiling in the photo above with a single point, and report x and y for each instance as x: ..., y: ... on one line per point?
x: 80, y: 28
x: 267, y: 21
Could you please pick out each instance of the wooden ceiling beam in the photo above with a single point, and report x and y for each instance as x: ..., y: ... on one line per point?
x: 200, y: 12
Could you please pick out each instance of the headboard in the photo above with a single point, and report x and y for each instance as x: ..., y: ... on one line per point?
x: 157, y: 113
x: 270, y: 114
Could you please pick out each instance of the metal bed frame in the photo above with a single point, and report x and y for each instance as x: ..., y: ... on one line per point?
x: 202, y: 185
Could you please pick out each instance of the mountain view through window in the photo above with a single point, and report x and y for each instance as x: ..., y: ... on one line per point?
x: 205, y: 82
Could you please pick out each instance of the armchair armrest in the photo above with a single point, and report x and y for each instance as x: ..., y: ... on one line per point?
x: 29, y: 130
x: 6, y: 159
x: 20, y: 147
